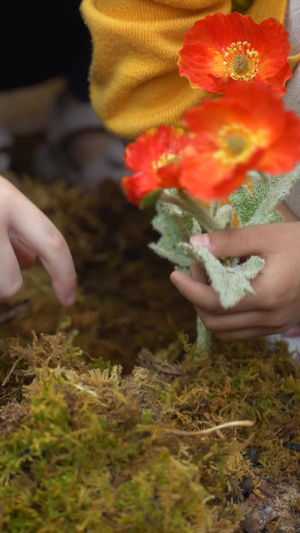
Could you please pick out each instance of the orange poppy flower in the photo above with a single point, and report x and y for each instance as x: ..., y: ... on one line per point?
x: 153, y: 150
x: 222, y: 49
x: 248, y: 129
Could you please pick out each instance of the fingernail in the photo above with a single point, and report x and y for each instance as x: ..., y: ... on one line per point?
x: 200, y: 240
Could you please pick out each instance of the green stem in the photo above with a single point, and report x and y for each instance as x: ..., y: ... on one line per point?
x: 188, y: 204
x: 203, y: 336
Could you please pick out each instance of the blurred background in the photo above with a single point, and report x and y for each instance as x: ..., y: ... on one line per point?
x: 47, y: 125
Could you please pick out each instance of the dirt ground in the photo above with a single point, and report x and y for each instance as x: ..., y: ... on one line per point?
x: 126, y: 300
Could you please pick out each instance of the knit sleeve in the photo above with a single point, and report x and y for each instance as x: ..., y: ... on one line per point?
x: 134, y: 79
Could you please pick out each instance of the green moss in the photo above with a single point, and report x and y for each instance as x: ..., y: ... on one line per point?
x: 89, y: 450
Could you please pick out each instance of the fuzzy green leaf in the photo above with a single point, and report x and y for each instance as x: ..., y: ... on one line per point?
x: 259, y: 205
x: 230, y: 282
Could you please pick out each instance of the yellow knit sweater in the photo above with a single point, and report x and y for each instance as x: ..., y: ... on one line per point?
x: 135, y: 84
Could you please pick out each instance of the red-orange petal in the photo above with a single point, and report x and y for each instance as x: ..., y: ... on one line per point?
x: 206, y: 179
x: 275, y: 49
x: 272, y: 136
x: 169, y: 176
x: 251, y: 105
x: 278, y: 82
x: 139, y: 185
x: 202, y: 58
x: 284, y: 154
x: 150, y: 153
x: 150, y: 146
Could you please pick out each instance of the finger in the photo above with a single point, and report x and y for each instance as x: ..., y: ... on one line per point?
x: 24, y: 256
x: 198, y: 273
x: 197, y: 293
x: 245, y: 334
x: 58, y: 262
x: 10, y: 274
x: 242, y: 242
x: 29, y: 225
x: 205, y: 298
x: 241, y: 321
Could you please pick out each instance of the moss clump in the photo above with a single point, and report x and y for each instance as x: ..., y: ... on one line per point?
x: 78, y: 455
x: 84, y: 449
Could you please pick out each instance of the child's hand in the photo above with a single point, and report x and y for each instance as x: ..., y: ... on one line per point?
x: 25, y: 232
x: 275, y: 306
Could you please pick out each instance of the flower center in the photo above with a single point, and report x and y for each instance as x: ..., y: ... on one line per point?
x: 241, y: 61
x: 166, y: 159
x: 240, y: 64
x: 236, y: 144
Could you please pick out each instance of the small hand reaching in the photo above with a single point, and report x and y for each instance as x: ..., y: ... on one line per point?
x: 25, y: 233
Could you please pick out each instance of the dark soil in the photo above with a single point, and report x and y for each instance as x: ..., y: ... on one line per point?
x: 125, y: 299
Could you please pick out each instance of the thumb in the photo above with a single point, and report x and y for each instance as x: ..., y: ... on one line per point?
x: 238, y: 242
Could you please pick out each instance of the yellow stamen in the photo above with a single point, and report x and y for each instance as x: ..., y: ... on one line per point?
x: 241, y: 61
x: 166, y: 159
